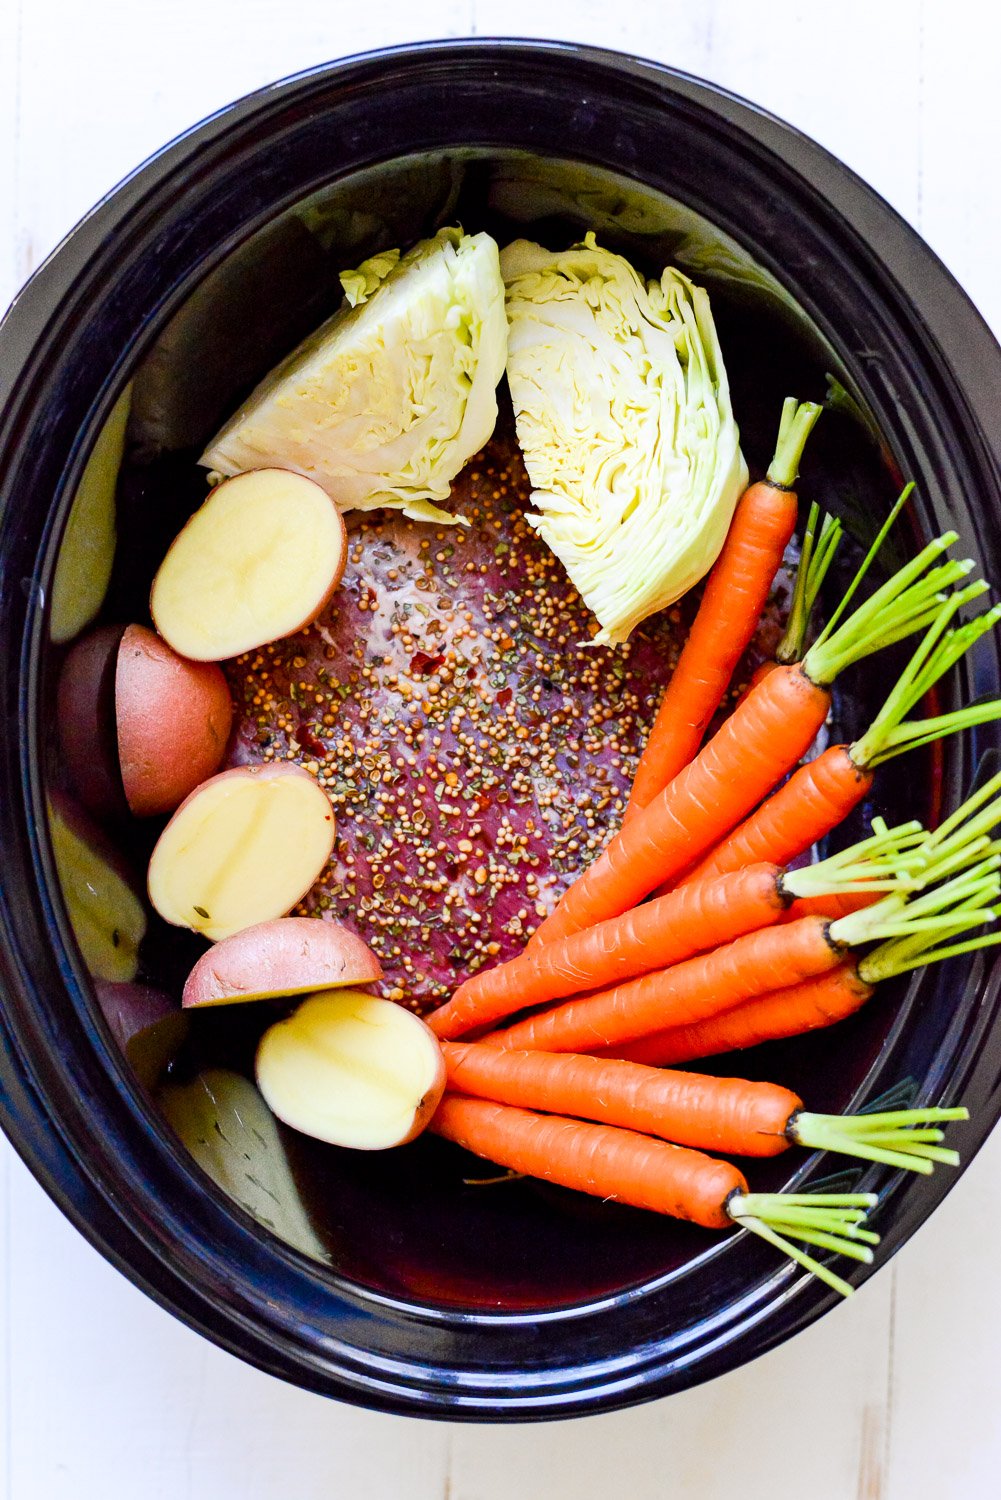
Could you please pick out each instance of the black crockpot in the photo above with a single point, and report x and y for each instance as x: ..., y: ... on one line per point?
x: 572, y: 1312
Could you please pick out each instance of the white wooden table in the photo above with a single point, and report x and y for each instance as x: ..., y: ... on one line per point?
x: 105, y: 1397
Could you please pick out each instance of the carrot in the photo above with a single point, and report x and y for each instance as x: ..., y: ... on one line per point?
x: 731, y: 1115
x: 728, y: 615
x: 817, y: 797
x: 821, y: 540
x: 775, y: 958
x: 944, y: 913
x: 821, y: 794
x: 755, y: 964
x: 692, y: 920
x: 832, y: 904
x: 627, y: 1167
x: 790, y: 1012
x: 761, y: 741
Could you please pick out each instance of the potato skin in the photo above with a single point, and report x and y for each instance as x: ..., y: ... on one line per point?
x: 432, y: 1096
x: 174, y: 717
x: 287, y: 956
x: 85, y: 720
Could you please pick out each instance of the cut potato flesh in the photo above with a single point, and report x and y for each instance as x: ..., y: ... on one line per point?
x: 258, y: 561
x: 352, y: 1070
x: 243, y: 848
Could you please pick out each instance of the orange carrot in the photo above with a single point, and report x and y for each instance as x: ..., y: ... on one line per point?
x: 753, y: 750
x: 911, y: 922
x: 821, y: 794
x: 761, y: 741
x: 816, y: 798
x: 662, y: 932
x: 770, y: 959
x: 599, y: 1159
x: 790, y: 1012
x: 627, y: 1167
x: 833, y: 904
x: 678, y: 926
x: 728, y: 615
x: 716, y: 1114
x: 762, y: 670
x: 713, y: 1114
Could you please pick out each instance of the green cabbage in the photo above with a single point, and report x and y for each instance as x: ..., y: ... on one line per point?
x: 623, y: 414
x: 385, y: 403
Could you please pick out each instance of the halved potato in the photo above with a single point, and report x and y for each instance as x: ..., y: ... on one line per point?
x: 287, y: 957
x: 173, y: 718
x: 243, y: 848
x: 258, y: 561
x: 352, y: 1070
x: 85, y: 721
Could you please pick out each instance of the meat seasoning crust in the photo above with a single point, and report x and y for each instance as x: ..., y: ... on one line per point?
x: 478, y: 751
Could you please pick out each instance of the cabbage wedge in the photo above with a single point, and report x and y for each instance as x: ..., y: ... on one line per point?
x: 623, y: 414
x: 386, y: 401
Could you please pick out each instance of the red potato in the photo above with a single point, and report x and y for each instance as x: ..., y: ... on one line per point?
x: 352, y: 1070
x: 85, y: 721
x: 145, y: 1023
x: 242, y: 849
x: 289, y: 956
x: 173, y: 718
x: 257, y: 562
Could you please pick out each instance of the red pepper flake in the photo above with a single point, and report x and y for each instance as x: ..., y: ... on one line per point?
x: 504, y: 697
x: 422, y: 665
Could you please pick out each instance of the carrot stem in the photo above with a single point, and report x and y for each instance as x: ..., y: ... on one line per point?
x: 896, y: 1138
x: 779, y: 1242
x: 830, y: 1220
x: 906, y: 603
x: 964, y: 814
x: 867, y: 562
x: 892, y: 959
x: 911, y: 736
x: 961, y: 902
x: 938, y: 651
x: 797, y: 422
x: 815, y: 559
x: 889, y: 860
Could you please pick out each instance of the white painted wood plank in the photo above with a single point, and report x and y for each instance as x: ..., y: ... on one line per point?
x: 6, y: 1302
x: 808, y: 1419
x: 129, y: 78
x: 945, y: 1432
x: 112, y: 1398
x: 847, y: 75
x: 10, y: 52
x: 959, y: 203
